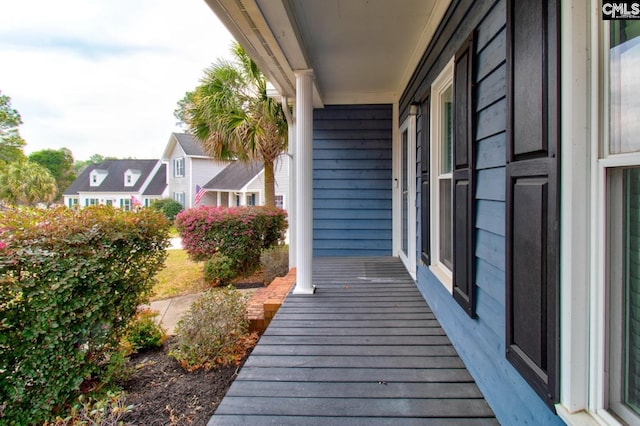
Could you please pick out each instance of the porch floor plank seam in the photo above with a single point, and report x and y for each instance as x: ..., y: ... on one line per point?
x: 365, y: 349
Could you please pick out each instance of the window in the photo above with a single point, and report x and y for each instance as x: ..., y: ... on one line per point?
x: 623, y: 222
x: 441, y: 196
x: 109, y: 203
x: 125, y: 204
x: 280, y: 201
x: 92, y: 202
x: 178, y: 167
x: 600, y: 318
x: 179, y: 197
x: 624, y: 87
x: 624, y: 293
x: 251, y: 199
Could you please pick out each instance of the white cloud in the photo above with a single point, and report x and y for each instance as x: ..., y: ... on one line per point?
x: 104, y: 76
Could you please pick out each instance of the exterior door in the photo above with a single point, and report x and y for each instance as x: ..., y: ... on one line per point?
x: 406, y: 190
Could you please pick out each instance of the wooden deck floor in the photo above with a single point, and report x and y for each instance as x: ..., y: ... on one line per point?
x: 365, y: 349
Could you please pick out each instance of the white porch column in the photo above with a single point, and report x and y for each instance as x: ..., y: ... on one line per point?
x: 290, y: 203
x: 304, y: 181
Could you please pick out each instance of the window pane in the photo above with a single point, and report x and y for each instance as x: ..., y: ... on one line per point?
x: 624, y: 60
x: 447, y: 131
x: 445, y: 223
x: 631, y: 322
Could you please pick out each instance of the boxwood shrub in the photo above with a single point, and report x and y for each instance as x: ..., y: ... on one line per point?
x: 70, y: 282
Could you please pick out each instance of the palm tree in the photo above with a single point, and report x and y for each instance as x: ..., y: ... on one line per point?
x: 26, y: 183
x: 232, y: 116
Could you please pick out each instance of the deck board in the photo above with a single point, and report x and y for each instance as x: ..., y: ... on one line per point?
x: 365, y: 349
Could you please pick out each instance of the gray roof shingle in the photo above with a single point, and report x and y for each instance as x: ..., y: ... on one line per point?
x: 114, y: 182
x: 235, y: 176
x: 190, y: 145
x: 158, y: 183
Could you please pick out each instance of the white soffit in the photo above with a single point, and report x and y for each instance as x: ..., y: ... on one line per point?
x: 246, y: 24
x: 361, y: 51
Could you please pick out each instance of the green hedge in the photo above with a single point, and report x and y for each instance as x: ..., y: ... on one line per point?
x: 240, y: 233
x: 70, y: 282
x: 169, y: 207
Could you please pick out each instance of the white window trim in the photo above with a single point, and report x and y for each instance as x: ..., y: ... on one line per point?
x: 175, y: 167
x: 583, y: 314
x: 438, y: 87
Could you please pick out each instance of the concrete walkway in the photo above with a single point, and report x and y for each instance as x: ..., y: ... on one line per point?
x: 175, y: 243
x: 171, y: 310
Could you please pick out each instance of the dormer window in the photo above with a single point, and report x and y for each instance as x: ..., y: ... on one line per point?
x: 131, y: 177
x: 97, y: 177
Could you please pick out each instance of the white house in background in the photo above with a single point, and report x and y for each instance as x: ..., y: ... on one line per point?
x: 223, y: 183
x: 188, y: 167
x: 242, y: 184
x: 119, y: 183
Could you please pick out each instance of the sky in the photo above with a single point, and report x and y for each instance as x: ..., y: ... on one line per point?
x: 104, y: 76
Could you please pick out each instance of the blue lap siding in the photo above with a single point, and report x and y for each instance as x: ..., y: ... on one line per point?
x: 481, y: 341
x: 352, y: 164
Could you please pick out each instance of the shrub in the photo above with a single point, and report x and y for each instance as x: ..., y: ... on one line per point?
x: 143, y: 332
x: 214, y: 331
x: 219, y: 270
x: 108, y: 410
x: 275, y: 262
x: 239, y: 233
x: 170, y: 208
x: 70, y: 281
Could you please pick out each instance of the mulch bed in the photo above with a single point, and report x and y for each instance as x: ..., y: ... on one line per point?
x: 164, y: 394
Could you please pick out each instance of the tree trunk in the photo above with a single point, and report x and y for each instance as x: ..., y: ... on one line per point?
x: 269, y: 184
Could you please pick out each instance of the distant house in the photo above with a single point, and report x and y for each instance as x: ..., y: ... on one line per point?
x: 188, y: 167
x: 220, y: 183
x: 119, y: 183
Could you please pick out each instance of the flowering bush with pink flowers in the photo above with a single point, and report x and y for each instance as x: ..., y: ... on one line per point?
x: 70, y: 281
x: 240, y: 233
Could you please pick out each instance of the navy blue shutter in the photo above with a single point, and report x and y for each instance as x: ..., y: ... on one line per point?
x: 532, y: 239
x: 463, y: 171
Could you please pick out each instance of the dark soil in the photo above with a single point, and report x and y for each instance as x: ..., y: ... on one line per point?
x: 164, y: 394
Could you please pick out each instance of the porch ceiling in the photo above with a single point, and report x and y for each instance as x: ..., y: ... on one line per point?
x: 361, y: 51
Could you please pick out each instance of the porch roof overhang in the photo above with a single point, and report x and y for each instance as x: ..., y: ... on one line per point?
x: 361, y: 51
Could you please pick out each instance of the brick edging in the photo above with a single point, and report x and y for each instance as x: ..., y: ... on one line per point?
x: 265, y: 302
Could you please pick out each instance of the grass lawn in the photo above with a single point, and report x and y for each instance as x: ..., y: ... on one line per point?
x: 180, y: 276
